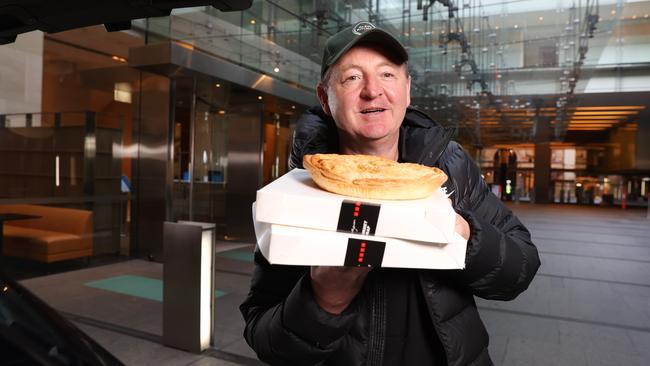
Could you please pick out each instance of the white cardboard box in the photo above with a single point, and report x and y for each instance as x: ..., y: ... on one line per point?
x: 295, y: 200
x: 300, y: 246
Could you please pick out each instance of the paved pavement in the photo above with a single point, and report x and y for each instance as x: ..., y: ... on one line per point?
x: 589, y: 304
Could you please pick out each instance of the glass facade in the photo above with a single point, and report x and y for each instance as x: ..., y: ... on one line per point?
x: 498, y: 71
x: 550, y: 98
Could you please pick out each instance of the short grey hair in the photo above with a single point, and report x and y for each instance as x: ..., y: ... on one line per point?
x: 325, y: 80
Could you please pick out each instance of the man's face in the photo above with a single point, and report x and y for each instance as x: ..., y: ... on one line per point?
x: 367, y: 95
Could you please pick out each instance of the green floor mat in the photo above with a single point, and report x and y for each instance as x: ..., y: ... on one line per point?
x: 138, y: 286
x: 244, y: 255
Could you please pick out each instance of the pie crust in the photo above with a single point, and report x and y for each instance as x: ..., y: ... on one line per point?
x: 367, y: 176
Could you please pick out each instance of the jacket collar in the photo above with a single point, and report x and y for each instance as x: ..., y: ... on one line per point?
x: 422, y: 140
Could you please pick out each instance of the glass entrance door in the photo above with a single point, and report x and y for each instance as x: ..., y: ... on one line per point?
x: 200, y: 150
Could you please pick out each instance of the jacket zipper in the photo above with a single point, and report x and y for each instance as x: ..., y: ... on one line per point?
x: 377, y: 338
x: 431, y: 315
x: 447, y: 137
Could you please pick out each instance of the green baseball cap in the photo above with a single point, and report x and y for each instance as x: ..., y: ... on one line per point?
x: 340, y: 43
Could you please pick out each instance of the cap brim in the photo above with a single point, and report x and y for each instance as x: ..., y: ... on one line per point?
x: 373, y: 35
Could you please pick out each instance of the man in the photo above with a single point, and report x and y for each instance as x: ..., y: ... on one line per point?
x: 354, y: 316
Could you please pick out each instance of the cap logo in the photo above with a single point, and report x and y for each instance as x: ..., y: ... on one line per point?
x: 362, y: 27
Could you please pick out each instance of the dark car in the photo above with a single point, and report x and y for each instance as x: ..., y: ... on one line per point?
x: 32, y: 333
x: 20, y: 16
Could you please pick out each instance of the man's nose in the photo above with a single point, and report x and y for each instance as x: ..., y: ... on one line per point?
x: 371, y: 88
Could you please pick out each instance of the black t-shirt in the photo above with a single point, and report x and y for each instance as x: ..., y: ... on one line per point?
x: 410, y: 336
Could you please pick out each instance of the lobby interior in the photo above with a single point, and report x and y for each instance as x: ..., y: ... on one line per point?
x: 105, y: 137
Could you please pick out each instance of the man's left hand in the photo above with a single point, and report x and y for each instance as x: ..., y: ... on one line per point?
x: 462, y: 227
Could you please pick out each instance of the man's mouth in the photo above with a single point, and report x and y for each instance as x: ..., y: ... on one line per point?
x: 372, y: 110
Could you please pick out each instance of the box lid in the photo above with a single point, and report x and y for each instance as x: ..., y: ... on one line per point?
x: 295, y: 200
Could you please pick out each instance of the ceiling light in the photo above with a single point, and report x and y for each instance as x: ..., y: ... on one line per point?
x: 541, y: 19
x: 218, y: 85
x: 601, y: 113
x: 613, y: 12
x: 276, y: 69
x: 595, y: 119
x: 253, y: 21
x: 259, y: 97
x: 516, y: 26
x: 122, y: 92
x: 591, y: 122
x: 613, y: 107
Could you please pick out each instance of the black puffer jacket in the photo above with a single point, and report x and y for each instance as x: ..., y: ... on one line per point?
x: 285, y: 326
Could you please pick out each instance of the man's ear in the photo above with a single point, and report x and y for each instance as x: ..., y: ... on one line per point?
x: 321, y: 92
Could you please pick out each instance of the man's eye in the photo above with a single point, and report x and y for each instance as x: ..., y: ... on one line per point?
x: 352, y: 78
x: 388, y: 74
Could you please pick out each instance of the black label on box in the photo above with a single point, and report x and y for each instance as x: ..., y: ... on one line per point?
x: 358, y: 217
x: 364, y: 253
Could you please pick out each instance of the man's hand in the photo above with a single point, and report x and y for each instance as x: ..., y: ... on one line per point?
x: 335, y: 287
x: 462, y: 227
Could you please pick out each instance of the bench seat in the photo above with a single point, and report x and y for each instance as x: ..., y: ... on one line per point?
x: 58, y: 234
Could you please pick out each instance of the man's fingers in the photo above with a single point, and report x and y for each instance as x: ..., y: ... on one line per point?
x: 335, y: 287
x: 462, y: 227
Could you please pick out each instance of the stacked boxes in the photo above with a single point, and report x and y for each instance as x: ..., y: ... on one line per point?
x: 297, y: 223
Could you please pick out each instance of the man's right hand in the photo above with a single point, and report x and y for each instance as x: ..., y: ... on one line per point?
x: 335, y: 287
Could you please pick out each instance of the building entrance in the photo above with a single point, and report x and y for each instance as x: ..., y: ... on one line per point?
x: 505, y: 173
x: 228, y: 141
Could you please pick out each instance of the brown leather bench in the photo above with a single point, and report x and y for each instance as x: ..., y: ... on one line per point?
x: 59, y: 233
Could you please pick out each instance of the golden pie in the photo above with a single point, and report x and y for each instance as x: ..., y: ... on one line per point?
x: 368, y: 176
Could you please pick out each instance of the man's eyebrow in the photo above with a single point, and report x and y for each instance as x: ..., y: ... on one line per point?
x: 355, y: 66
x: 388, y: 63
x: 348, y: 67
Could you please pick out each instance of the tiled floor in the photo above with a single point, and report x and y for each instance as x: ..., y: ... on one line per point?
x: 131, y: 326
x: 137, y: 351
x: 588, y: 305
x: 590, y: 301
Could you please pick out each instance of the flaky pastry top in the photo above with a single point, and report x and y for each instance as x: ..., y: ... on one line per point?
x: 373, y: 176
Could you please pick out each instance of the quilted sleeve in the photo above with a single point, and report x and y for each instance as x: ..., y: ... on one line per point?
x: 501, y: 258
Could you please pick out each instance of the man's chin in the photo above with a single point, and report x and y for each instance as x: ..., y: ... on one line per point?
x: 375, y: 133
